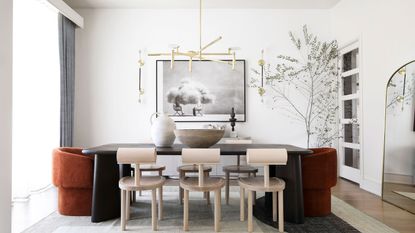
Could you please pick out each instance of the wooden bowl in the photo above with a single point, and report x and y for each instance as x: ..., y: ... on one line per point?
x: 199, y: 138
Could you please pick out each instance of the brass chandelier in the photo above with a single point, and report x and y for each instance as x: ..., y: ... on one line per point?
x: 200, y: 54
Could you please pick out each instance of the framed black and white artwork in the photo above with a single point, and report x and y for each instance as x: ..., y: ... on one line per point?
x: 207, y: 94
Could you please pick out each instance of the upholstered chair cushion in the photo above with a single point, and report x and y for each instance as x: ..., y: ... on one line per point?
x: 320, y: 168
x: 73, y: 175
x: 319, y: 173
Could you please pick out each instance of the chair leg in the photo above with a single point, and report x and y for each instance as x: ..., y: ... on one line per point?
x: 207, y: 194
x: 254, y: 174
x: 160, y: 204
x: 227, y: 188
x: 250, y: 226
x: 181, y: 175
x: 242, y: 204
x: 123, y: 210
x: 217, y: 209
x: 141, y: 174
x: 186, y: 211
x: 127, y: 205
x: 133, y: 196
x: 274, y: 206
x: 153, y: 210
x: 207, y: 198
x: 281, y: 211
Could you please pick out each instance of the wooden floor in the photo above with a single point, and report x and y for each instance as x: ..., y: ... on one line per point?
x: 372, y: 205
x: 390, y: 195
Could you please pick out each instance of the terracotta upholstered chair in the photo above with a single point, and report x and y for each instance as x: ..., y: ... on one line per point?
x: 319, y: 171
x: 73, y: 175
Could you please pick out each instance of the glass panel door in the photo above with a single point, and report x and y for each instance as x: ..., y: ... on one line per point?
x: 350, y: 109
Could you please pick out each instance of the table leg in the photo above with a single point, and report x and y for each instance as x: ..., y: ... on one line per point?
x: 105, y: 187
x: 291, y: 174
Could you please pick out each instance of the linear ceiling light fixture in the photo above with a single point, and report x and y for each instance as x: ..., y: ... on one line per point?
x: 200, y: 54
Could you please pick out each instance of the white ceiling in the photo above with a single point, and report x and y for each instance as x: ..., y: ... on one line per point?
x: 264, y: 4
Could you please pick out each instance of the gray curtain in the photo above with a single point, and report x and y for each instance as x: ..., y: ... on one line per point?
x: 67, y: 68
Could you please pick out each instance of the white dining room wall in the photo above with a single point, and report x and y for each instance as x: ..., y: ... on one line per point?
x: 385, y: 31
x: 6, y: 25
x: 106, y: 104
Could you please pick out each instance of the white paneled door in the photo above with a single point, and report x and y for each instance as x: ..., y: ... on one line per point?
x: 350, y: 153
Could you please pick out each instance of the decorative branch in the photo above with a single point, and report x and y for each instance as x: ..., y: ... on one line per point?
x: 312, y: 77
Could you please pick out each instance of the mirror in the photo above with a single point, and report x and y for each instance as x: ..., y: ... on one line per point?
x: 399, y: 152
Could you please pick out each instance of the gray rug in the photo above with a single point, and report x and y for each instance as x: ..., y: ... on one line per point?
x: 201, y: 220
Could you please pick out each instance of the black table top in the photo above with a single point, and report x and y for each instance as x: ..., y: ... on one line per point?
x: 176, y: 149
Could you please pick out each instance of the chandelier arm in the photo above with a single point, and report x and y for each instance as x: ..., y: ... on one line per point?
x: 211, y: 43
x: 169, y: 54
x: 216, y: 54
x: 158, y: 54
x: 215, y: 60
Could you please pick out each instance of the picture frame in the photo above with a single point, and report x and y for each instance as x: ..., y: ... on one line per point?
x: 207, y: 94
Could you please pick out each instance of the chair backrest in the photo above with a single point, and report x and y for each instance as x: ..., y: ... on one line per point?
x: 200, y: 156
x: 136, y: 156
x: 266, y: 157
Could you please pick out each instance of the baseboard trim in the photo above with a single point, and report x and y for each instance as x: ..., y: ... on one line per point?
x: 371, y: 186
x: 398, y: 178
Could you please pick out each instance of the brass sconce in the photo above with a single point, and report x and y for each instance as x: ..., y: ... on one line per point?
x: 140, y: 88
x: 401, y: 98
x: 261, y: 63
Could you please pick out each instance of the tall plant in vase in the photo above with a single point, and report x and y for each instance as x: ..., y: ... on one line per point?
x: 305, y: 87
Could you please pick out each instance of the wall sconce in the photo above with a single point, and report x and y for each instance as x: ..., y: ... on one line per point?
x: 261, y: 63
x: 140, y: 88
x: 401, y: 98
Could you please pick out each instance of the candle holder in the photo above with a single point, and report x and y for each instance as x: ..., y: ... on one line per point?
x: 233, y: 134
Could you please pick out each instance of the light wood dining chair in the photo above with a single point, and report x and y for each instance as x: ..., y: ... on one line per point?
x: 128, y: 184
x: 185, y: 169
x: 201, y: 183
x: 274, y: 185
x: 238, y: 168
x: 151, y: 168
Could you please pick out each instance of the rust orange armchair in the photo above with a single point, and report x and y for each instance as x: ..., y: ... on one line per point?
x: 73, y: 175
x: 319, y: 173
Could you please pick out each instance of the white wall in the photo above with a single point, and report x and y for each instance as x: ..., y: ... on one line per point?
x: 6, y: 25
x: 385, y: 30
x: 106, y: 107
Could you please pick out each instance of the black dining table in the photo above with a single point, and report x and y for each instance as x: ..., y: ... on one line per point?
x: 106, y: 203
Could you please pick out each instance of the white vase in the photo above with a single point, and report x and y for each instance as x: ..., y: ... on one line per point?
x: 162, y: 130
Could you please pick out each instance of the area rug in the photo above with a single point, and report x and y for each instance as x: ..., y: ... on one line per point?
x: 406, y: 194
x: 344, y: 219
